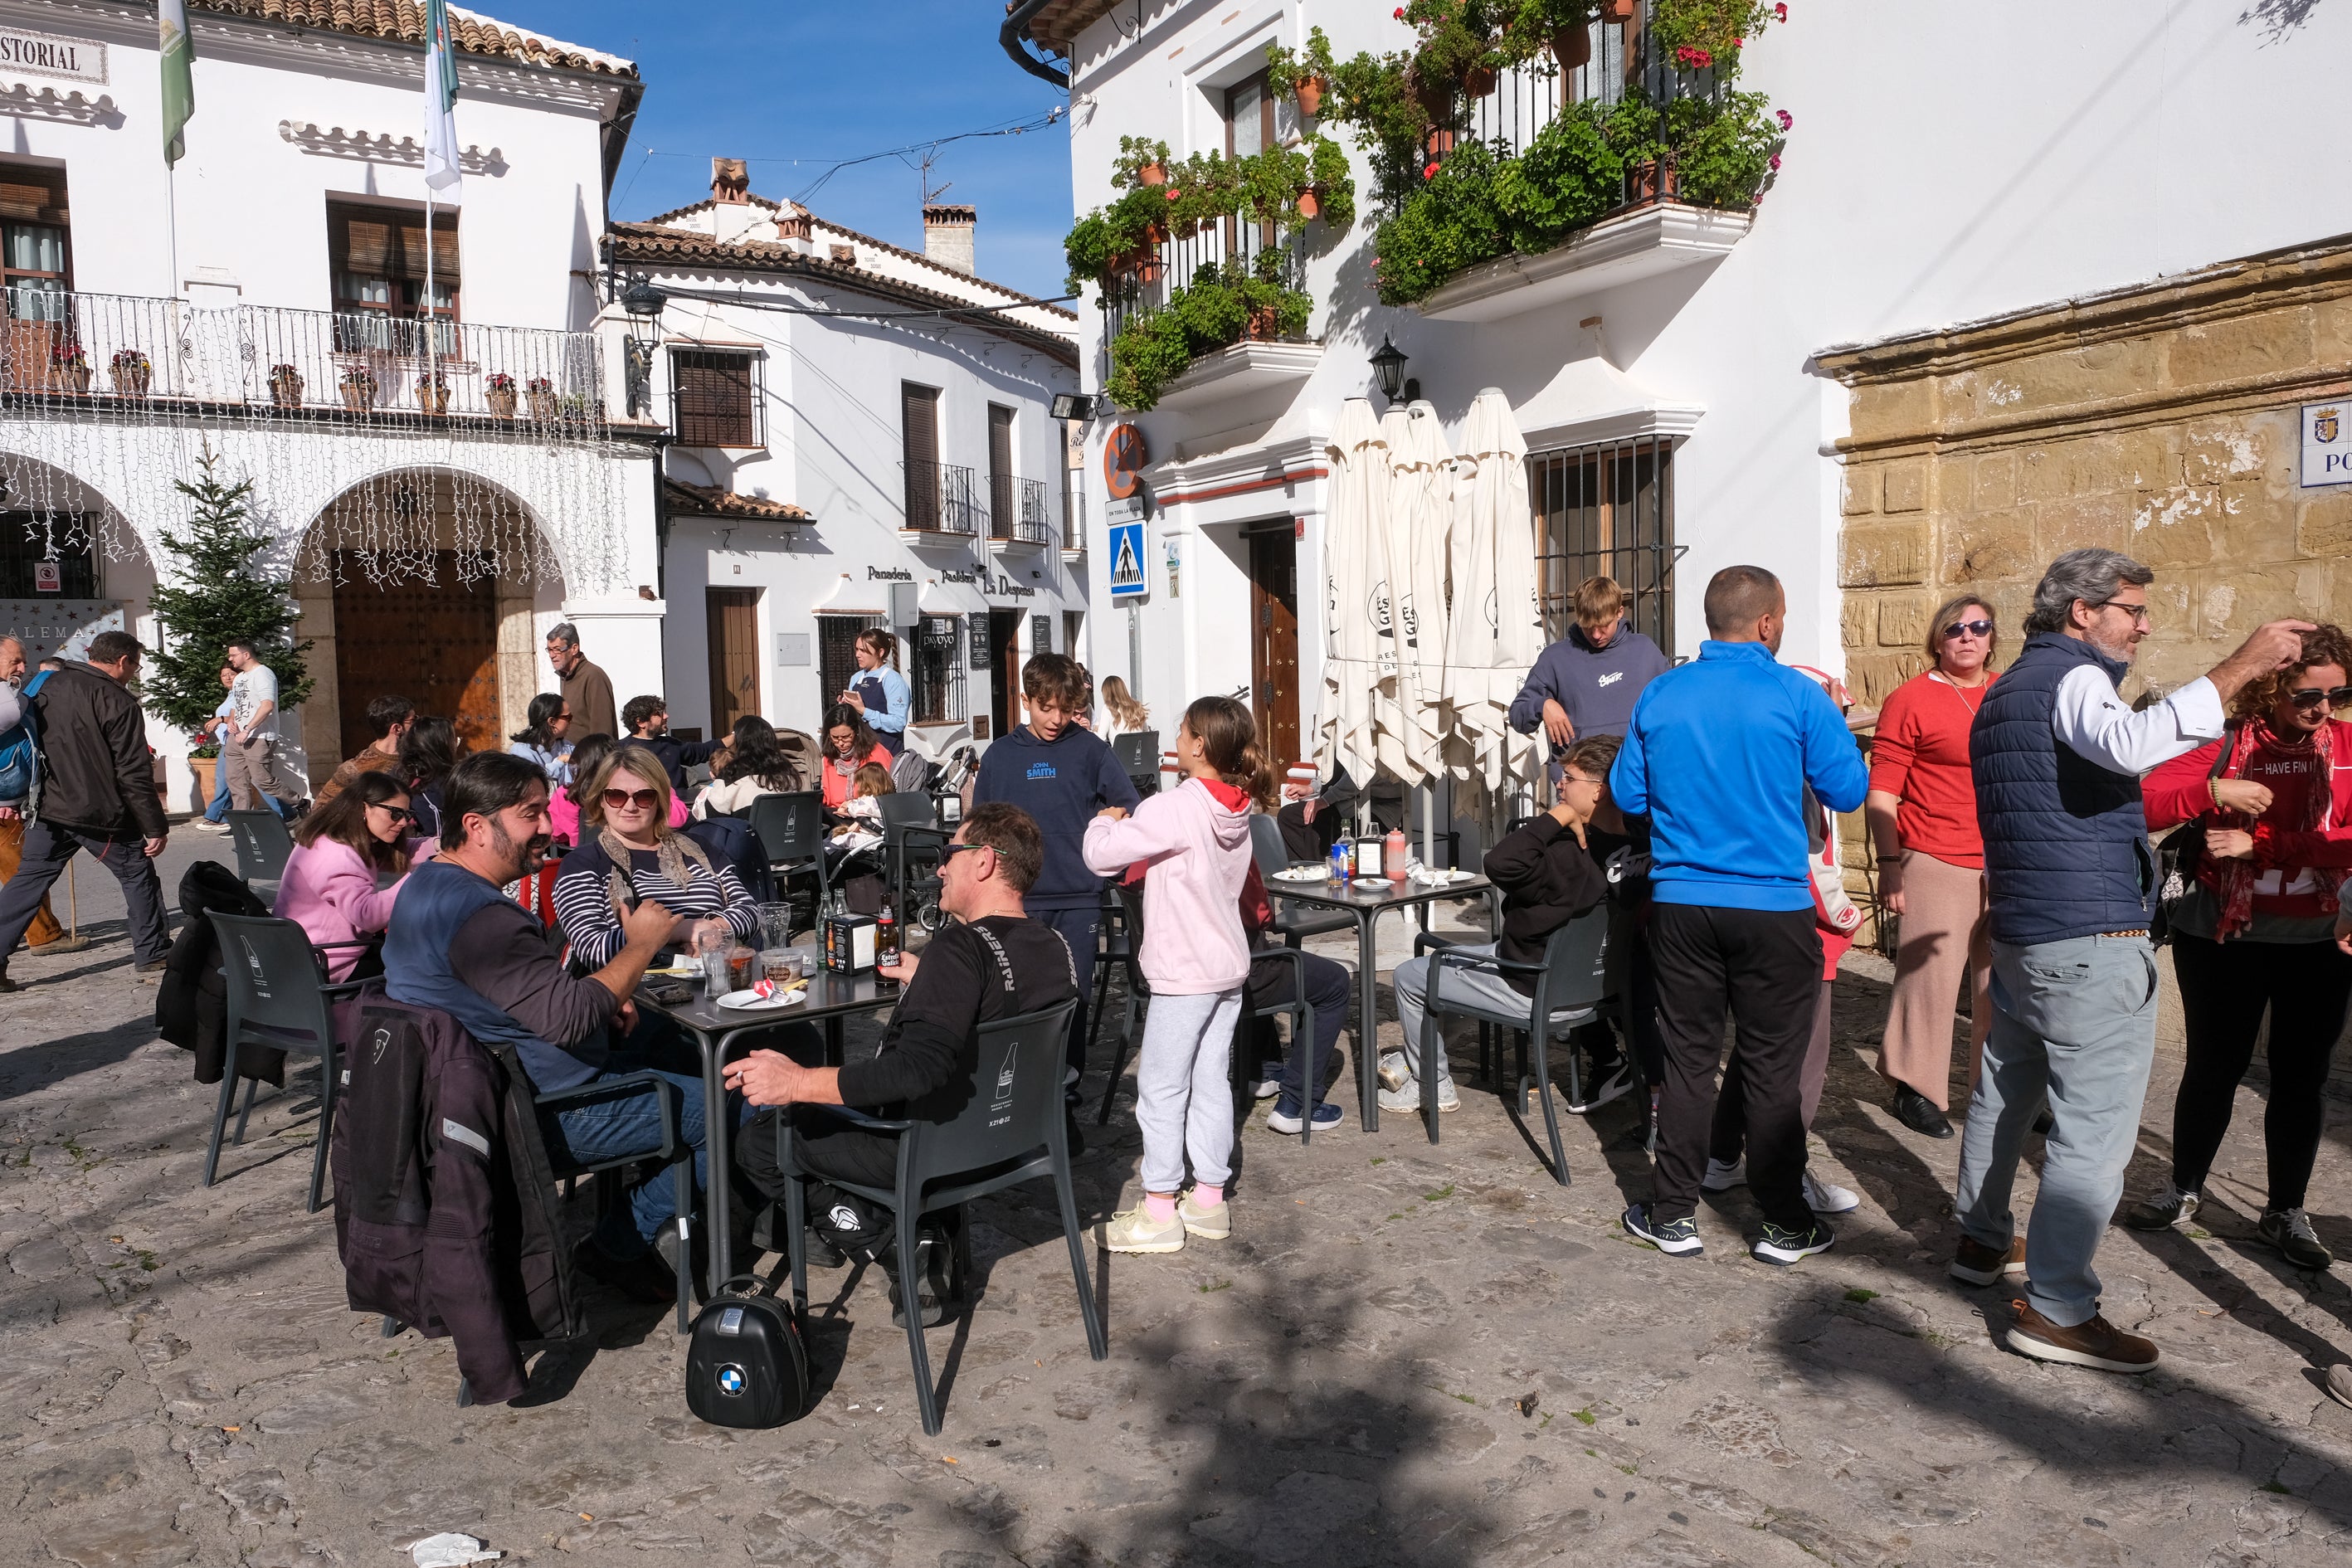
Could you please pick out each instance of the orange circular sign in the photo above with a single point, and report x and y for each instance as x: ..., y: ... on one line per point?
x: 1123, y: 460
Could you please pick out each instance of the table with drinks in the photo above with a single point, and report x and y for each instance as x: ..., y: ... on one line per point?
x: 738, y: 992
x: 1366, y: 877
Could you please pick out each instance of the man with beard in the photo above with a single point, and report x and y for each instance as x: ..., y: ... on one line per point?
x: 459, y: 944
x: 2057, y: 755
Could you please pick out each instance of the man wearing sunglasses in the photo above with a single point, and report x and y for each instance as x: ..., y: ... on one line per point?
x: 2057, y: 755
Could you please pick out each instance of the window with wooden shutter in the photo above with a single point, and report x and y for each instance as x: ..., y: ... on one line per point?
x: 377, y: 257
x: 715, y: 398
x: 34, y: 258
x: 919, y: 425
x: 1000, y: 471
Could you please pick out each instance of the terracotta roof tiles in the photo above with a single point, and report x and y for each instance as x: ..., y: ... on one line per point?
x: 403, y: 21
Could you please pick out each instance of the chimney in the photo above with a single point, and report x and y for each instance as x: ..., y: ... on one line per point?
x: 730, y: 182
x: 947, y: 235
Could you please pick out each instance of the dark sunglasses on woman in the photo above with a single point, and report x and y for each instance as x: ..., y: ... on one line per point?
x: 397, y: 813
x: 644, y: 799
x: 1973, y: 628
x: 2315, y: 697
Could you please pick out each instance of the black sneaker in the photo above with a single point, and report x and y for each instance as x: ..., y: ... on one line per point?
x: 2166, y: 1207
x: 1675, y: 1238
x: 1918, y: 1112
x: 1780, y: 1247
x: 2289, y: 1231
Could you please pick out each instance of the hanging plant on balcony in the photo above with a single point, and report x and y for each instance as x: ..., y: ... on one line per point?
x: 1334, y: 186
x: 499, y: 392
x: 133, y: 374
x: 1561, y: 28
x: 1706, y: 35
x: 285, y: 386
x: 1141, y: 161
x: 1304, y: 78
x: 1219, y: 308
x: 70, y: 364
x: 433, y: 393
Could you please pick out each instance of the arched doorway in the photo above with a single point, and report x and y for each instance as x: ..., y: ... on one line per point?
x: 428, y: 584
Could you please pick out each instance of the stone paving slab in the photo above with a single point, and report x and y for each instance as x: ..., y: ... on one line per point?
x: 1406, y: 1355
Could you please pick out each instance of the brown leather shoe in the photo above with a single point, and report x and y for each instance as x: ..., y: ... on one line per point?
x: 1974, y: 1263
x: 2097, y: 1344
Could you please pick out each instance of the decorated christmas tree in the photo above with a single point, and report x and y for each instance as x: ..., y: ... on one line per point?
x: 215, y: 592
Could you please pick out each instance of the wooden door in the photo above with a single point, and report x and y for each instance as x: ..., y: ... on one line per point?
x: 1274, y: 641
x: 731, y: 627
x: 1005, y: 658
x: 435, y: 643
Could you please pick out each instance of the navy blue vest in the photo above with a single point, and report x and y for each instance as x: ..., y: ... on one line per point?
x: 2066, y: 850
x: 440, y: 896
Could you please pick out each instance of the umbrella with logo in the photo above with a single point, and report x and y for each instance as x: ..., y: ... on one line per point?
x: 1498, y: 623
x: 1425, y: 497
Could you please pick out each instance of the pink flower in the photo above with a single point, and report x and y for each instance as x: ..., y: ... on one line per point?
x: 1787, y: 119
x: 1400, y: 13
x: 1775, y: 160
x: 1780, y: 12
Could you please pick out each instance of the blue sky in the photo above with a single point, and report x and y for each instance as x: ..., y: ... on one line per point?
x: 796, y: 85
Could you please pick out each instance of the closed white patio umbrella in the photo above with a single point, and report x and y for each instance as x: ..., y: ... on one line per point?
x: 1498, y: 627
x: 1353, y: 528
x: 1426, y: 480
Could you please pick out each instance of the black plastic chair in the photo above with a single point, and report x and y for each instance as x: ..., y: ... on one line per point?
x: 1293, y: 922
x: 791, y: 829
x: 263, y: 844
x: 673, y: 1150
x: 1012, y: 1130
x: 1137, y: 755
x: 278, y: 999
x: 1298, y: 1010
x: 913, y: 844
x: 1573, y: 983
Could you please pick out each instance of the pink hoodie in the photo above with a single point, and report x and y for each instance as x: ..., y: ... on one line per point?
x: 1198, y: 849
x: 331, y: 893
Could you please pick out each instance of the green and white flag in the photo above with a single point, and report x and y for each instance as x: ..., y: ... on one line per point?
x: 179, y: 77
x: 440, y: 100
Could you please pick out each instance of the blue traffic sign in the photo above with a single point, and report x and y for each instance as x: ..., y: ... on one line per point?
x: 1126, y: 560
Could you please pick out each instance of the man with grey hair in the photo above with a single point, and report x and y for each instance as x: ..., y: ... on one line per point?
x: 585, y: 686
x: 2057, y: 756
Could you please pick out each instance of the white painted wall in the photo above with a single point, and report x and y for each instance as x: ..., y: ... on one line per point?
x: 1946, y: 165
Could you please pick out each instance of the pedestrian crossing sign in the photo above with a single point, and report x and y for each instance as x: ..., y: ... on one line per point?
x: 1126, y: 557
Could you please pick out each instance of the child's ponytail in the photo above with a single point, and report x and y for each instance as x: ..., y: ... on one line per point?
x: 1228, y: 735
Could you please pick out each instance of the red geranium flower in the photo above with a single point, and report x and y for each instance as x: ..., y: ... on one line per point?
x: 1429, y: 171
x: 1780, y: 12
x: 1775, y: 160
x: 1787, y: 119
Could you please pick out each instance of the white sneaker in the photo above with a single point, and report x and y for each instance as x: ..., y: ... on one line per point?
x: 1132, y: 1230
x: 1406, y: 1100
x: 1267, y: 1081
x: 1616, y: 1086
x: 206, y: 824
x: 1721, y: 1177
x: 1828, y: 1197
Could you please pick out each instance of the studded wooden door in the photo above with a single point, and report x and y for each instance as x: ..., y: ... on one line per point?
x: 732, y: 629
x: 435, y: 643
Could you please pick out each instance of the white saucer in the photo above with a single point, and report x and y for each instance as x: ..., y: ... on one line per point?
x: 752, y: 1002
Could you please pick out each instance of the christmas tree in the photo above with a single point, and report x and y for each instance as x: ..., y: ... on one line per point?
x: 217, y: 594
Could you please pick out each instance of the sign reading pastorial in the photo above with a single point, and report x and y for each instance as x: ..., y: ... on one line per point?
x: 2327, y: 443
x: 27, y: 52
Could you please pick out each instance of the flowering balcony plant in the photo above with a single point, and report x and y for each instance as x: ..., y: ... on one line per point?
x: 133, y: 374
x: 499, y: 392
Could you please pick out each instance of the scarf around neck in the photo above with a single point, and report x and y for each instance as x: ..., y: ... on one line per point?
x: 674, y: 852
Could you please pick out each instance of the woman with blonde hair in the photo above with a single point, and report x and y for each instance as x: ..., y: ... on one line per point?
x: 629, y: 851
x: 1127, y: 716
x: 1922, y: 812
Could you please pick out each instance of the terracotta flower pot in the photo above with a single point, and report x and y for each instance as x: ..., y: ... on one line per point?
x: 1434, y: 94
x: 1309, y: 204
x: 286, y: 390
x: 1310, y: 95
x: 358, y: 395
x: 1616, y: 10
x: 1153, y: 174
x: 1155, y: 234
x: 432, y: 400
x: 1147, y: 271
x: 1263, y: 324
x: 1441, y: 143
x: 76, y: 380
x: 1571, y: 47
x: 133, y: 380
x: 1478, y: 80
x: 501, y: 400
x: 543, y: 407
x: 1654, y: 181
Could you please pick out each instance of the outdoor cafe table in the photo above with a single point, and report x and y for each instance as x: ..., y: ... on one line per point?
x: 830, y: 999
x: 1367, y: 905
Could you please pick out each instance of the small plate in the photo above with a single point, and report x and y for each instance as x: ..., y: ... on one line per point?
x: 1303, y: 874
x: 1375, y: 884
x: 752, y: 1002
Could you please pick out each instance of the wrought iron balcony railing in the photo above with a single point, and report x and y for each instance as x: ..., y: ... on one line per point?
x: 1016, y: 510
x: 941, y: 497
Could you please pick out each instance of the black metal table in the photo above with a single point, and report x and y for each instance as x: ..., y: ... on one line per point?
x: 830, y: 998
x: 1367, y: 905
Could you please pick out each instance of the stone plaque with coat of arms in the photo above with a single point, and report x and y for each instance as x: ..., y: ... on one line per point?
x: 2327, y: 443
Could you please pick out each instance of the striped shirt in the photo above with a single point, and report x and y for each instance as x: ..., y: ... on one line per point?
x: 584, y: 902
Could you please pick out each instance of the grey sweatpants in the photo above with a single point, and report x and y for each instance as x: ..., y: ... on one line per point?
x: 1183, y: 1102
x: 2074, y: 1021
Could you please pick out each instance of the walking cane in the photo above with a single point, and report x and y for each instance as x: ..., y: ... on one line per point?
x: 73, y: 904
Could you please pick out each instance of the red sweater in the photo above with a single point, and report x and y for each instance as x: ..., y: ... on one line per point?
x: 1921, y: 755
x: 2298, y: 866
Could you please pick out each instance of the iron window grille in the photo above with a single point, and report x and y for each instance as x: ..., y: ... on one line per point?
x: 1607, y: 510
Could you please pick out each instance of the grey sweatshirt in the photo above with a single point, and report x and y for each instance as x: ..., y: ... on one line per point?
x: 1597, y: 685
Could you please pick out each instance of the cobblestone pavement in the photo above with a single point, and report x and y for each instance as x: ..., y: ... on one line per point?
x: 1407, y: 1353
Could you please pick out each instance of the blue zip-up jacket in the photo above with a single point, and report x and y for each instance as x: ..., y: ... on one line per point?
x: 1718, y: 756
x: 1061, y: 784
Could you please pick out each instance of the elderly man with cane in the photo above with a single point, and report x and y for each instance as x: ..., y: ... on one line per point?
x: 2057, y: 756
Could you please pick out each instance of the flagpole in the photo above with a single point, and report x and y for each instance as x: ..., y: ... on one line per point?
x: 432, y: 339
x: 171, y: 222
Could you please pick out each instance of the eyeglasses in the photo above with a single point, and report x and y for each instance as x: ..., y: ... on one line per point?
x: 644, y: 799
x: 949, y: 852
x: 2315, y: 697
x: 1967, y: 628
x: 397, y: 813
x: 2137, y: 612
x: 1567, y: 779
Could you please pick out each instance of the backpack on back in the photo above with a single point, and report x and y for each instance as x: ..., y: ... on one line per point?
x: 20, y: 750
x: 746, y: 1365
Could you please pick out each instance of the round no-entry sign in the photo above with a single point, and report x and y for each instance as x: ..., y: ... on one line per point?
x: 1123, y: 460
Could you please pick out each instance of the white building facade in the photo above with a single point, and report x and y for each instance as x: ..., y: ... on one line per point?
x: 437, y: 497
x: 1943, y: 165
x: 860, y: 435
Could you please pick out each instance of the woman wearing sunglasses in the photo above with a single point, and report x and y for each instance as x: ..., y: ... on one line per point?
x: 349, y: 859
x: 630, y: 851
x: 2256, y: 930
x: 1922, y: 811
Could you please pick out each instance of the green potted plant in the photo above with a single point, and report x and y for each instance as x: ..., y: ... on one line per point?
x: 1141, y: 161
x: 1705, y: 35
x: 1305, y: 77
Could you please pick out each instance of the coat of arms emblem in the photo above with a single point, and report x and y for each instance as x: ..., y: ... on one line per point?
x: 2324, y: 424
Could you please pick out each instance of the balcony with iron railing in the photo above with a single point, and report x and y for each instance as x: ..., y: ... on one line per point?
x: 942, y: 504
x: 1220, y: 253
x: 1661, y: 127
x: 1073, y: 516
x: 1016, y: 513
x: 83, y: 354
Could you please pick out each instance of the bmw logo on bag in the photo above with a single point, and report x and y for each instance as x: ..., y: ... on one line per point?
x: 730, y: 1379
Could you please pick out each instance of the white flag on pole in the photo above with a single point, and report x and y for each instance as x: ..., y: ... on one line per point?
x: 440, y: 101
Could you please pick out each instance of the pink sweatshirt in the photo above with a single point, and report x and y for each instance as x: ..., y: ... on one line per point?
x: 1198, y: 850
x: 330, y: 893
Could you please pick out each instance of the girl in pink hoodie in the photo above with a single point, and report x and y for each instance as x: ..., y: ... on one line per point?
x: 1195, y: 841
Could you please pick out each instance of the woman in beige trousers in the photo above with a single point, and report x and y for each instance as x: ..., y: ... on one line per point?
x: 1922, y: 811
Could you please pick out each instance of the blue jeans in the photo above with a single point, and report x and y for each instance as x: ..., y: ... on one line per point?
x: 1328, y: 987
x: 2073, y: 1022
x: 218, y: 810
x: 617, y: 1128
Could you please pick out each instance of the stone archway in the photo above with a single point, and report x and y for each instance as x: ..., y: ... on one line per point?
x: 426, y: 583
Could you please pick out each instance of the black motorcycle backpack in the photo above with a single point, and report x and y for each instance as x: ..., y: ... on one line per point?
x: 746, y: 1365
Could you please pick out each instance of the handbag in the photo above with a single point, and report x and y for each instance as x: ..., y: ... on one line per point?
x: 2182, y: 852
x: 745, y: 1363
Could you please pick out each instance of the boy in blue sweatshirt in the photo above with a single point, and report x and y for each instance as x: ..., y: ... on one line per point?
x: 1061, y: 773
x: 1719, y: 756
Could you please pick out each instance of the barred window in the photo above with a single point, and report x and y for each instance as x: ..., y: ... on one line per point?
x: 939, y: 676
x: 715, y: 398
x: 1607, y: 511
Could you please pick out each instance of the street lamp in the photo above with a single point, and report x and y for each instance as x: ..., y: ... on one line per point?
x: 1388, y: 364
x: 1073, y: 405
x: 644, y: 304
x: 642, y: 301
